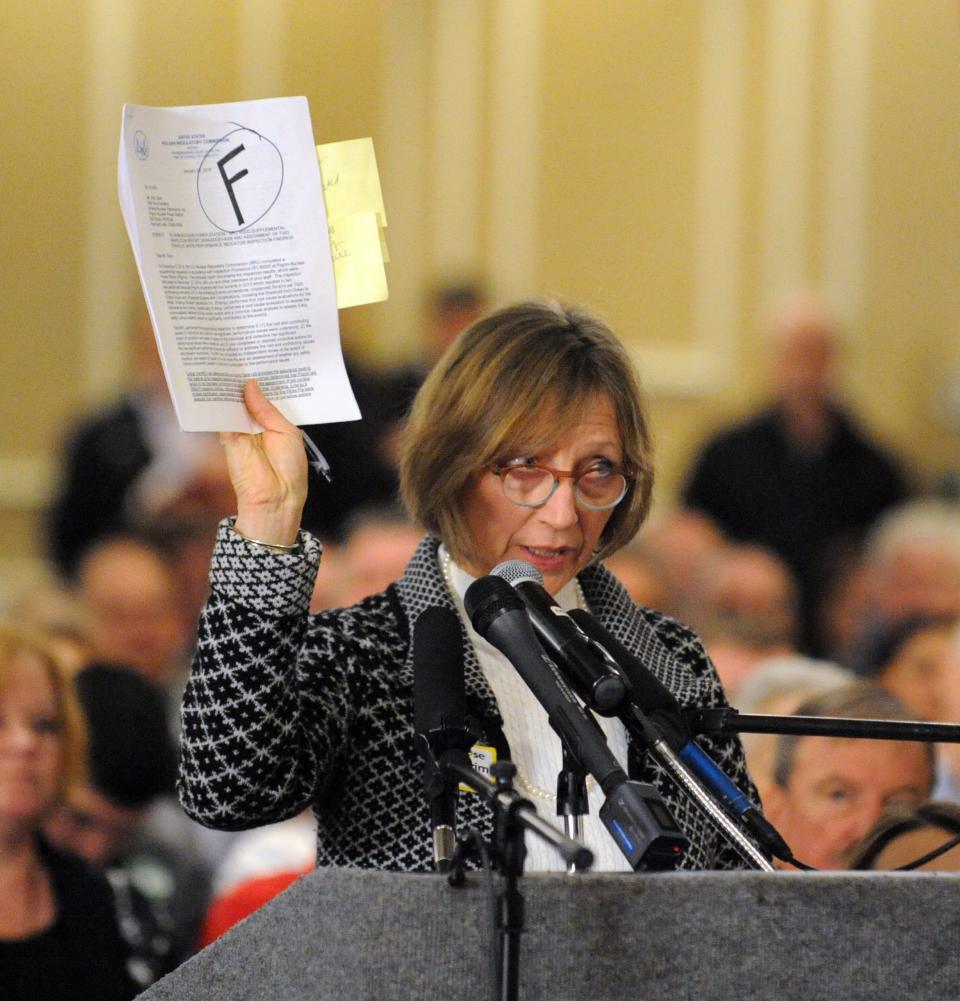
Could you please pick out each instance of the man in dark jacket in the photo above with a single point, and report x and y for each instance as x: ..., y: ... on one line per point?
x: 800, y: 477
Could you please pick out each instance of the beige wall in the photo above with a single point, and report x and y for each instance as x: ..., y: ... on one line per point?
x: 676, y: 164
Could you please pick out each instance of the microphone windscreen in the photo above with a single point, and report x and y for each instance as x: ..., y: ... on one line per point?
x: 515, y: 571
x: 439, y: 693
x: 486, y: 599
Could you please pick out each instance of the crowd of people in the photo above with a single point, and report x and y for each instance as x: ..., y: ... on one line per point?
x: 810, y: 572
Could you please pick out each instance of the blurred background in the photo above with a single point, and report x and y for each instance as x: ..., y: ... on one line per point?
x: 677, y: 165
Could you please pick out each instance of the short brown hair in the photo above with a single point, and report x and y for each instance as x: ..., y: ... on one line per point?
x: 860, y: 699
x: 19, y: 644
x: 513, y: 379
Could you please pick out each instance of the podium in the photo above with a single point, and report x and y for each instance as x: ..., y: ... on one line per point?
x: 347, y: 935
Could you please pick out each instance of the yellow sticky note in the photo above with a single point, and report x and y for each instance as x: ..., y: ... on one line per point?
x: 351, y: 182
x: 358, y: 270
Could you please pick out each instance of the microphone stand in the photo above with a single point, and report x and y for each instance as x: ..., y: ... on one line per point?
x: 646, y: 736
x: 512, y: 816
x: 572, y: 802
x: 729, y: 721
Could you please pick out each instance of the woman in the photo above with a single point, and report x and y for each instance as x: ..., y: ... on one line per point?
x: 527, y: 441
x: 58, y: 929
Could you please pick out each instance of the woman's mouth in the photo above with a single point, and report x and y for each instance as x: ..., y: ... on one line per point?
x: 543, y: 556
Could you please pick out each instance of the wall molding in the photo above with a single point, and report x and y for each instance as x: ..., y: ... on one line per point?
x: 399, y: 145
x: 105, y: 312
x: 846, y: 151
x: 512, y: 246
x: 261, y: 34
x: 707, y: 365
x: 785, y: 170
x: 456, y: 150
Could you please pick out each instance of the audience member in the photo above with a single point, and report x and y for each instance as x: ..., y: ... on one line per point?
x: 912, y: 559
x: 904, y: 834
x: 679, y: 541
x: 643, y: 575
x: 844, y: 610
x: 828, y: 791
x: 379, y: 544
x: 105, y: 819
x: 743, y: 604
x: 182, y: 540
x: 130, y: 463
x: 453, y: 306
x: 948, y: 755
x: 261, y: 864
x: 136, y: 618
x: 911, y: 662
x: 800, y: 477
x: 360, y: 453
x: 776, y: 687
x: 242, y: 900
x: 137, y: 622
x: 54, y: 610
x: 59, y: 931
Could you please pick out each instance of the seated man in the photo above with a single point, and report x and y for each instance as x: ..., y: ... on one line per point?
x: 744, y: 605
x: 828, y: 791
x: 776, y: 688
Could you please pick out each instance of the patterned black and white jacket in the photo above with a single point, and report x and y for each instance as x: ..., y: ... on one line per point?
x: 284, y: 709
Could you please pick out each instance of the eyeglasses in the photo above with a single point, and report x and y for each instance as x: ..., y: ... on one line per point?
x: 531, y: 484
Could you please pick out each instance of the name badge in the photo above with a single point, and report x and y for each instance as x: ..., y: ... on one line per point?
x: 482, y: 758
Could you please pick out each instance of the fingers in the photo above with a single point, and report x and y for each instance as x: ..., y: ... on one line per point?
x: 262, y: 410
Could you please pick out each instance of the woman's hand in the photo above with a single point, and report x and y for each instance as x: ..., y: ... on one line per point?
x: 268, y: 472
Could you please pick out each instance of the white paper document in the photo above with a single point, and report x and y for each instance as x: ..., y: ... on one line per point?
x: 225, y: 212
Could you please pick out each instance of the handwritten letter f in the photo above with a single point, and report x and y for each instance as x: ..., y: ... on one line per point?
x: 228, y: 182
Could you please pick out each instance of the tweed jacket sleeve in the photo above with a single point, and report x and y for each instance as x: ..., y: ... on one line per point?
x: 246, y: 757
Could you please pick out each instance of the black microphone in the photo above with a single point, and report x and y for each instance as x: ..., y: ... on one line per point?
x: 634, y: 812
x: 661, y: 708
x: 586, y: 665
x: 439, y: 719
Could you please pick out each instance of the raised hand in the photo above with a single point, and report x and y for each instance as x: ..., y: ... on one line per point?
x: 268, y: 472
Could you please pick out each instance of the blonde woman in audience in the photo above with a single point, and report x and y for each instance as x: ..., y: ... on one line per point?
x: 919, y: 663
x: 59, y: 937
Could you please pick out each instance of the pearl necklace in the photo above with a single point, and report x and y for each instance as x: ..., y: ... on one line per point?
x: 445, y: 560
x: 530, y: 788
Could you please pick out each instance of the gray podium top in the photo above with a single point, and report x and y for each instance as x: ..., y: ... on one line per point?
x: 339, y: 934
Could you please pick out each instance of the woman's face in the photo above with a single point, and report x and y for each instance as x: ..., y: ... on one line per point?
x: 31, y: 743
x: 558, y: 538
x: 918, y: 674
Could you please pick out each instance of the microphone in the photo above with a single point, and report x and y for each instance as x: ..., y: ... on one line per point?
x: 659, y: 705
x: 634, y: 812
x: 439, y: 719
x: 587, y: 666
